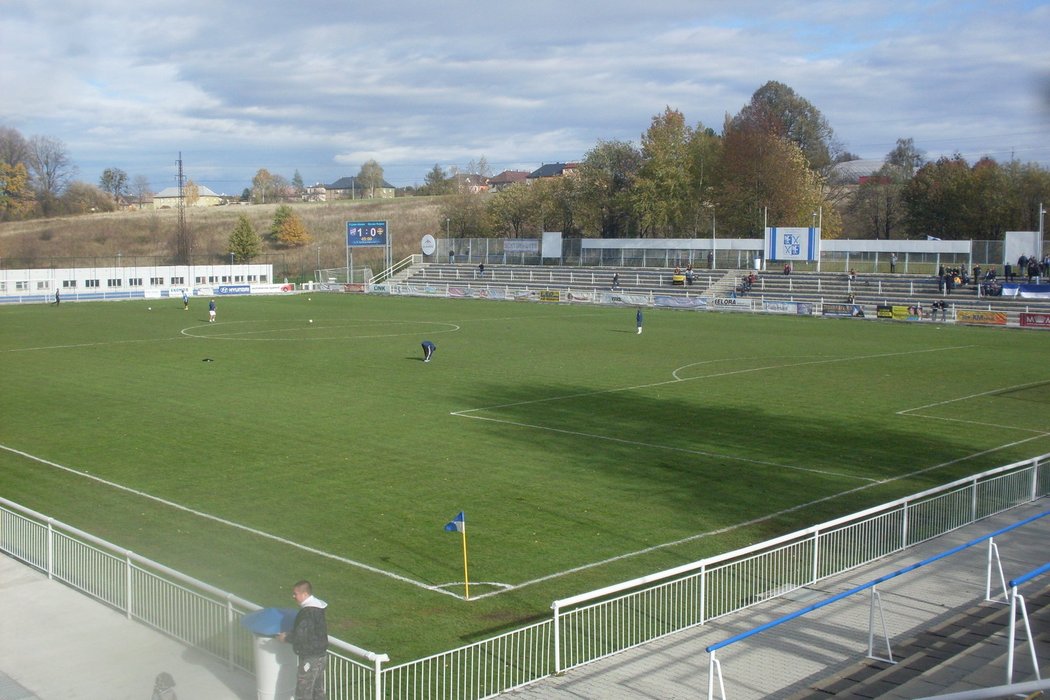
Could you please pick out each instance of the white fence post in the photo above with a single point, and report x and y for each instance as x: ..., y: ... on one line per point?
x: 557, y: 638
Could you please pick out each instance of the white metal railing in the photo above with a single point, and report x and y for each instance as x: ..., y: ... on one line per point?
x: 582, y: 629
x: 177, y: 605
x: 715, y: 667
x: 596, y: 624
x: 479, y: 670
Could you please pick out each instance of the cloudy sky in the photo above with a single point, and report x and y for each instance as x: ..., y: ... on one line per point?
x: 322, y: 86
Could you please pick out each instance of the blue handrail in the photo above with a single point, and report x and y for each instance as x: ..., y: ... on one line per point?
x: 839, y: 596
x: 1024, y: 578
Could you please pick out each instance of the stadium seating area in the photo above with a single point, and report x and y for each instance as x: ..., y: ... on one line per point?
x: 868, y: 290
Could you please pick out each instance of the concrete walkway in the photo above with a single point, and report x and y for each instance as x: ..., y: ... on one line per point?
x: 788, y: 661
x: 56, y: 643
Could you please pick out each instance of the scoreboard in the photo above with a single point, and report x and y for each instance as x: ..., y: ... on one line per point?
x: 365, y: 233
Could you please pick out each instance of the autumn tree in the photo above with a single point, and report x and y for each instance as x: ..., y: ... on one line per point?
x: 371, y: 176
x: 762, y: 173
x: 16, y: 195
x: 267, y: 187
x: 115, y: 182
x: 191, y: 194
x: 288, y: 229
x: 244, y: 243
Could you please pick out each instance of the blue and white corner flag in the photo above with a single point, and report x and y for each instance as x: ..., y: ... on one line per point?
x: 458, y: 524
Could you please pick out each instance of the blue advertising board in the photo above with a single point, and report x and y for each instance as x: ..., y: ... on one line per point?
x: 361, y: 233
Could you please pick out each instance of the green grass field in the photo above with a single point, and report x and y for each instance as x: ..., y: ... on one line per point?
x: 582, y: 453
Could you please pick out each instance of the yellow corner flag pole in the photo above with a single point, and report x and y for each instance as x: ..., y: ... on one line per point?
x: 459, y: 524
x: 466, y: 578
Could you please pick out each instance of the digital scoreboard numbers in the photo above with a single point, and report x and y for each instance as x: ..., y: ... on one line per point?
x: 363, y: 233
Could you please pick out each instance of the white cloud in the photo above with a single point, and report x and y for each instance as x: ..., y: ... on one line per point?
x: 324, y: 86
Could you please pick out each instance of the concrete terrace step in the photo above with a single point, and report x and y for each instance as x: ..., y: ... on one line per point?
x: 966, y: 650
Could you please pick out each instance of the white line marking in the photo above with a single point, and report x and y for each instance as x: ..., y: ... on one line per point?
x: 730, y: 528
x: 229, y: 523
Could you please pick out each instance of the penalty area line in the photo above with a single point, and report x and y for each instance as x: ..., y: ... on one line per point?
x: 228, y: 523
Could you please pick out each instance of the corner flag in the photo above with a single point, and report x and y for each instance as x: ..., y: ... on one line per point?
x: 459, y: 524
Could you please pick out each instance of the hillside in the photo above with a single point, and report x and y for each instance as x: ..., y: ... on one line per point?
x: 132, y: 235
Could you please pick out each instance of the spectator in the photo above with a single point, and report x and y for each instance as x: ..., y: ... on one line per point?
x: 787, y: 268
x: 893, y: 262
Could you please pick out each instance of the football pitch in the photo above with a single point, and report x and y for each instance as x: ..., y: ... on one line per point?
x: 304, y: 437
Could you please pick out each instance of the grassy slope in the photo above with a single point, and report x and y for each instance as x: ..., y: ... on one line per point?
x: 335, y: 435
x: 151, y: 233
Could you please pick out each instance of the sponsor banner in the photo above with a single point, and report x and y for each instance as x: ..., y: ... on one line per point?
x: 843, y: 310
x: 981, y: 318
x: 378, y: 289
x: 522, y: 246
x: 427, y: 290
x: 629, y: 299
x: 233, y: 289
x: 550, y: 295
x: 798, y: 308
x: 356, y: 287
x: 1035, y: 321
x: 730, y: 303
x: 581, y: 297
x: 899, y: 312
x: 680, y: 302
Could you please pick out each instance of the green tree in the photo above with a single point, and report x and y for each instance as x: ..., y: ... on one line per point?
x: 663, y: 197
x: 83, y: 198
x: 371, y: 176
x: 115, y: 182
x: 876, y: 209
x: 934, y: 199
x: 437, y: 182
x: 288, y: 229
x: 776, y: 107
x: 466, y: 216
x: 244, y: 243
x: 513, y: 211
x: 762, y: 174
x: 298, y: 186
x: 906, y: 157
x: 606, y: 177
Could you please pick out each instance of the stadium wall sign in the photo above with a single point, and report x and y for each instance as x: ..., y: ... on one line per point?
x: 798, y: 308
x: 980, y: 318
x: 898, y: 312
x: 1029, y: 320
x: 843, y: 310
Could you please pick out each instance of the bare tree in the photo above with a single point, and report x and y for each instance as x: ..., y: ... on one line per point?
x: 141, y: 189
x: 51, y: 169
x: 14, y: 149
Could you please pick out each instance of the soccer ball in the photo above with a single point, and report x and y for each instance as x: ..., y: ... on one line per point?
x: 149, y: 309
x: 311, y: 320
